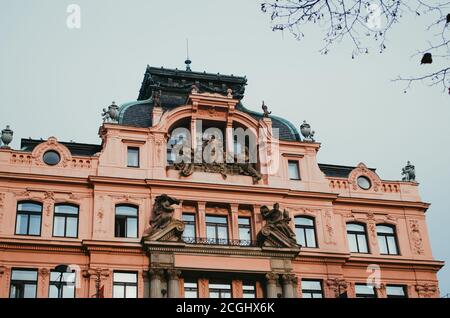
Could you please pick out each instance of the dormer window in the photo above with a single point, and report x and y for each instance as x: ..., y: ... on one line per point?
x: 294, y: 171
x: 133, y: 157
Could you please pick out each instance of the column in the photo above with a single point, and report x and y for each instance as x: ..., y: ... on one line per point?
x: 271, y: 285
x: 173, y: 284
x: 234, y: 221
x: 295, y: 285
x: 201, y: 210
x: 155, y: 282
x: 288, y: 291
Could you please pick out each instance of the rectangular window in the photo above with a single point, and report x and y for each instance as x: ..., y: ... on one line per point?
x: 216, y: 230
x: 28, y: 219
x: 248, y: 290
x: 126, y: 222
x: 305, y: 231
x: 245, y: 231
x: 62, y: 285
x: 294, y: 171
x: 133, y: 157
x: 396, y: 291
x: 365, y: 291
x: 65, y: 221
x: 23, y: 283
x: 219, y: 290
x: 125, y: 285
x: 189, y: 233
x: 190, y: 289
x: 312, y: 288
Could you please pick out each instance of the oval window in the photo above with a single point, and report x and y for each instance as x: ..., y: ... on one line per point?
x: 364, y: 183
x: 51, y: 157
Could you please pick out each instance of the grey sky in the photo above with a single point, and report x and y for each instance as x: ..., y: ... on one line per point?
x: 54, y: 82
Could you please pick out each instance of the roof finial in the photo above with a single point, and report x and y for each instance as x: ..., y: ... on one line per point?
x: 188, y: 61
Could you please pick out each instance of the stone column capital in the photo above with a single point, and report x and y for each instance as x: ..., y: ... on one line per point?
x: 287, y: 278
x: 272, y: 277
x: 173, y: 273
x: 156, y: 273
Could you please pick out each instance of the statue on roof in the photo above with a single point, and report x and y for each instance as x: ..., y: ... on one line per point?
x: 307, y: 133
x: 156, y: 97
x: 265, y: 109
x: 409, y: 172
x: 111, y: 115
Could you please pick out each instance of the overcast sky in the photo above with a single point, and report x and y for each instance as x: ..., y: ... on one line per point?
x: 54, y: 81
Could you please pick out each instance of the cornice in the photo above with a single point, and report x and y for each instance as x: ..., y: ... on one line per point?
x: 42, y: 178
x: 382, y: 202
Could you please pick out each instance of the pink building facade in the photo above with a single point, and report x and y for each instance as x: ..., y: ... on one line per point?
x: 123, y: 220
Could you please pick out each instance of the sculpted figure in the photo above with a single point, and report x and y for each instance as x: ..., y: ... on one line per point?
x: 277, y: 222
x: 163, y: 211
x: 409, y: 172
x: 265, y: 109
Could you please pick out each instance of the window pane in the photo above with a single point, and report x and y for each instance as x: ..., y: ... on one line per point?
x: 310, y: 238
x: 53, y: 292
x: 126, y: 210
x: 35, y: 225
x: 216, y: 219
x: 24, y: 274
x: 22, y: 224
x: 244, y: 221
x: 398, y: 291
x: 382, y: 245
x: 188, y: 217
x: 385, y: 229
x: 307, y: 295
x: 131, y: 227
x: 15, y: 292
x: 189, y: 231
x: 58, y: 226
x: 68, y: 291
x: 223, y: 233
x: 190, y: 294
x: 211, y: 232
x: 392, y: 245
x: 352, y: 245
x: 244, y: 234
x: 364, y: 289
x: 133, y: 157
x: 33, y: 207
x: 299, y: 234
x: 293, y: 170
x: 120, y: 226
x: 362, y: 242
x: 67, y: 209
x: 355, y: 227
x: 29, y: 291
x: 125, y: 277
x: 213, y: 294
x: 72, y: 227
x: 311, y: 285
x: 303, y: 221
x: 118, y: 291
x: 317, y: 295
x: 131, y: 291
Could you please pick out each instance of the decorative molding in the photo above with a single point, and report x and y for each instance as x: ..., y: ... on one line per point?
x: 427, y: 290
x: 416, y: 237
x: 329, y: 231
x: 362, y: 170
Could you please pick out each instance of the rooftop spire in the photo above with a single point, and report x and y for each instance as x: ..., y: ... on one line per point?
x: 188, y: 61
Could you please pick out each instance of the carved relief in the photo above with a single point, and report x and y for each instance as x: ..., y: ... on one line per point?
x: 337, y: 286
x: 2, y: 203
x: 416, y: 236
x: 362, y: 170
x: 329, y: 227
x: 49, y: 201
x: 372, y: 228
x: 44, y: 273
x: 427, y: 290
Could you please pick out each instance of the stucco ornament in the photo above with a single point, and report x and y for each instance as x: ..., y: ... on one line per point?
x: 416, y: 237
x: 276, y: 232
x: 7, y: 136
x: 112, y: 114
x: 51, y: 144
x: 307, y: 133
x: 362, y: 170
x: 409, y: 172
x: 163, y: 226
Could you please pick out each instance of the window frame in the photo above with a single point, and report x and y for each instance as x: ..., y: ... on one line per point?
x: 125, y: 284
x: 216, y: 239
x: 303, y: 228
x: 404, y: 287
x: 374, y: 295
x: 126, y: 217
x: 28, y: 214
x: 63, y: 283
x: 12, y: 281
x: 297, y: 166
x: 385, y: 236
x: 192, y: 223
x: 356, y: 234
x: 220, y: 291
x: 312, y: 291
x: 248, y: 284
x: 65, y: 215
x: 248, y: 226
x: 191, y: 289
x: 138, y: 149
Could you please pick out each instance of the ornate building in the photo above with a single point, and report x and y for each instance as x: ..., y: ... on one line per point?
x: 126, y: 219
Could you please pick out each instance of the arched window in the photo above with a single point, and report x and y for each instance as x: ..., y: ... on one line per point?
x: 126, y: 221
x: 28, y: 219
x: 305, y: 231
x: 357, y: 238
x: 387, y: 240
x: 65, y: 220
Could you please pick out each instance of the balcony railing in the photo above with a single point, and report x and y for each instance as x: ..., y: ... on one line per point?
x: 218, y: 241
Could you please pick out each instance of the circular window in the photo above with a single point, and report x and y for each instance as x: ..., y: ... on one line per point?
x: 364, y: 183
x: 51, y: 158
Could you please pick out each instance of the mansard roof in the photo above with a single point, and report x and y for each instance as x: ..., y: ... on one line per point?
x: 175, y: 86
x: 76, y: 149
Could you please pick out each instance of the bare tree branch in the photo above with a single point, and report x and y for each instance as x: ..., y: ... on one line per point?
x: 364, y: 22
